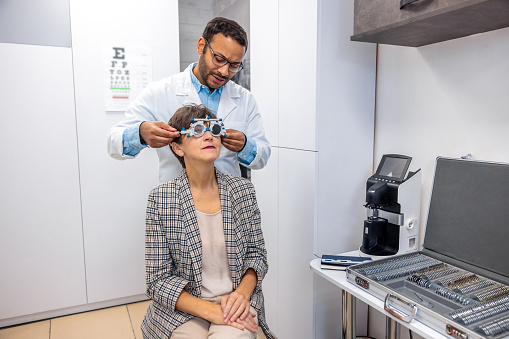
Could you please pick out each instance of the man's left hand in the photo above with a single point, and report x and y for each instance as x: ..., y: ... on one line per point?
x: 234, y: 140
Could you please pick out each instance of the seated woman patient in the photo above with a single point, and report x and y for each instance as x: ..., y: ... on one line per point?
x: 204, y: 251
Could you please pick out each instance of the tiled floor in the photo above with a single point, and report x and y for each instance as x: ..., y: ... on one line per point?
x: 120, y: 322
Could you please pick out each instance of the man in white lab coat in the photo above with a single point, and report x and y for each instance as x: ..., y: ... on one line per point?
x: 222, y: 49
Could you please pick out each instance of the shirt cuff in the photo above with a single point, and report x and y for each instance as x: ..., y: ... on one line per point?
x: 131, y: 140
x: 248, y: 153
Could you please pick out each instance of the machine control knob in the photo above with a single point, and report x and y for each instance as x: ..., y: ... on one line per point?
x: 411, y: 223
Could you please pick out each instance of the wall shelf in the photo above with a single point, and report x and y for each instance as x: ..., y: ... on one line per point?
x: 425, y: 22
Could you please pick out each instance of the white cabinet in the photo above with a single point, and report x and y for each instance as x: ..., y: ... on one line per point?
x: 266, y: 183
x: 296, y: 218
x: 297, y: 74
x: 72, y: 221
x: 316, y: 92
x: 41, y: 244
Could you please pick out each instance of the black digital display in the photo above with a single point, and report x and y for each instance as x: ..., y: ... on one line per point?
x: 393, y: 166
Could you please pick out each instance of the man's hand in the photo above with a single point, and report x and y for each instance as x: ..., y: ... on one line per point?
x: 234, y: 140
x: 157, y: 134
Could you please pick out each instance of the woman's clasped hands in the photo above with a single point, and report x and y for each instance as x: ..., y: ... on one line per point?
x: 236, y: 312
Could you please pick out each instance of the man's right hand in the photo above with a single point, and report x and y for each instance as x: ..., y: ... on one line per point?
x: 157, y: 134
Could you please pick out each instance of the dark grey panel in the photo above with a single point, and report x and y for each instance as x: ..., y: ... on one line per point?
x: 35, y: 22
x: 468, y: 216
x: 427, y: 21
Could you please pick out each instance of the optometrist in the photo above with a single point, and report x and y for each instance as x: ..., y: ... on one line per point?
x: 221, y: 49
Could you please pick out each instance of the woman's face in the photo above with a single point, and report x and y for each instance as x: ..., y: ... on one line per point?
x: 204, y: 149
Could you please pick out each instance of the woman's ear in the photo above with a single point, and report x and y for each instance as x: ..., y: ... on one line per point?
x: 176, y: 148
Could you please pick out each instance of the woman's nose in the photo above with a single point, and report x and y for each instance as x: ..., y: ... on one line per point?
x: 207, y: 135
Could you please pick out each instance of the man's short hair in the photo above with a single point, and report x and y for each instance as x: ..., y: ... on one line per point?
x: 228, y: 28
x: 182, y: 119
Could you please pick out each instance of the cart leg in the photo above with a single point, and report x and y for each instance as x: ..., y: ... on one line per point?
x: 347, y: 315
x: 391, y: 328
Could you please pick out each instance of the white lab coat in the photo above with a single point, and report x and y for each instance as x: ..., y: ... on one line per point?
x: 161, y: 99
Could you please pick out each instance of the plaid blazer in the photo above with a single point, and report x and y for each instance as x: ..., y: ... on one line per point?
x: 173, y: 250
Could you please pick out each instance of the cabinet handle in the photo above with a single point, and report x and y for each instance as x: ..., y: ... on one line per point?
x: 392, y: 311
x: 403, y: 3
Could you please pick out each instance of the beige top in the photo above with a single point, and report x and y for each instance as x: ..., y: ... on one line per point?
x: 216, y: 276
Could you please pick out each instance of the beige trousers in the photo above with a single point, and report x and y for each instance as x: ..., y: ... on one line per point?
x: 198, y: 328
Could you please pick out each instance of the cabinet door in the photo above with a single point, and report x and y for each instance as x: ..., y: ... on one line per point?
x: 296, y: 227
x: 266, y: 182
x: 263, y: 44
x: 297, y: 74
x: 285, y: 193
x: 41, y: 244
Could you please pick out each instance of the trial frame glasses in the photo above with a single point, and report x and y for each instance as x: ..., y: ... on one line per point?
x: 198, y: 128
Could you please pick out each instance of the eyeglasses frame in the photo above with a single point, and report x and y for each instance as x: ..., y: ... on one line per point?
x: 241, y: 66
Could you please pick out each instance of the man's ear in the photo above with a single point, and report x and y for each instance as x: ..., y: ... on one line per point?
x: 200, y: 45
x: 176, y: 148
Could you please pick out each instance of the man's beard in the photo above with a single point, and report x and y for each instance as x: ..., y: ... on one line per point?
x: 205, y: 72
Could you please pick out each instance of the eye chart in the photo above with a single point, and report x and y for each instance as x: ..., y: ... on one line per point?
x: 128, y: 70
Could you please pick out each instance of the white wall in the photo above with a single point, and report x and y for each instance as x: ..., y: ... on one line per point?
x: 114, y: 193
x: 445, y: 99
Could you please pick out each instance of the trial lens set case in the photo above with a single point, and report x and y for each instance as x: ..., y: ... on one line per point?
x: 459, y: 283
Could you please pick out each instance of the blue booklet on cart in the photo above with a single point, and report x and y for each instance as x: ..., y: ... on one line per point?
x: 340, y: 262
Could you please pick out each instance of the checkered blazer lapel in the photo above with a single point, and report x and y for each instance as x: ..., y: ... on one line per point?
x: 230, y: 234
x: 192, y: 230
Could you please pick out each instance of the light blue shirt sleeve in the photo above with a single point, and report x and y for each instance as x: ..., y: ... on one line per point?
x: 248, y: 153
x: 131, y: 140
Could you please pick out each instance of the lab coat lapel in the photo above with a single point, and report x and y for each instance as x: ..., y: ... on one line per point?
x: 192, y: 230
x: 230, y: 237
x: 228, y: 100
x: 186, y: 89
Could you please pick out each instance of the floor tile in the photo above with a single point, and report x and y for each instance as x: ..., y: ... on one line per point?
x: 137, y: 312
x: 109, y: 323
x: 38, y: 330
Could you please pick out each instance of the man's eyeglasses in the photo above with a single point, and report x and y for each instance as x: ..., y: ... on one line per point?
x: 219, y: 60
x: 198, y: 128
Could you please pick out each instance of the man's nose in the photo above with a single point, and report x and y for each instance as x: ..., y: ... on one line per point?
x: 224, y: 69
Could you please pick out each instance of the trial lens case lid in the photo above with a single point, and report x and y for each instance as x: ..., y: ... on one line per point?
x: 468, y: 218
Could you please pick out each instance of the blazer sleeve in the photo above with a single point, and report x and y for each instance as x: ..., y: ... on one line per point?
x: 163, y: 285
